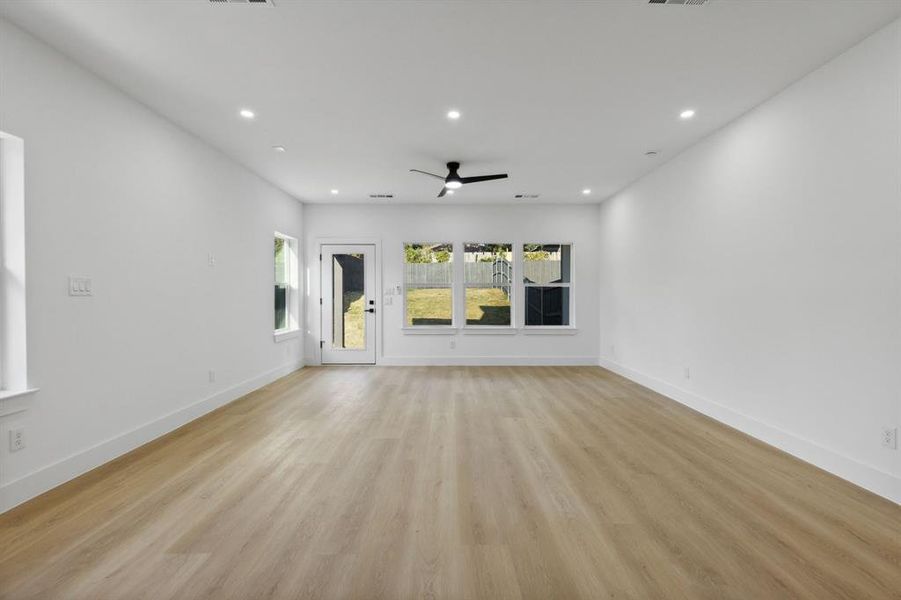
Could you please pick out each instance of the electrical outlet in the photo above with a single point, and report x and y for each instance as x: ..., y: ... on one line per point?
x: 453, y: 344
x: 890, y: 437
x: 16, y: 439
x: 211, y: 259
x: 212, y: 375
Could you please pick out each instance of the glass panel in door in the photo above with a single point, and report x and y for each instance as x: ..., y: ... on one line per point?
x: 348, y: 297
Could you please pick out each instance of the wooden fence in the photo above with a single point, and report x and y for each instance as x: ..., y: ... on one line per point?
x: 485, y: 273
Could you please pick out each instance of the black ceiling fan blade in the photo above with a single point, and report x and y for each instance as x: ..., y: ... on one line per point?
x: 442, y: 192
x: 427, y: 173
x: 479, y: 178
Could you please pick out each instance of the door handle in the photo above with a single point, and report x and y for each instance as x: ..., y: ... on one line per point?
x: 372, y: 310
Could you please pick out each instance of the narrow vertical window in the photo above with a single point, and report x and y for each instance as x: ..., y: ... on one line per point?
x: 13, y: 358
x: 547, y: 279
x: 488, y: 279
x: 285, y: 258
x: 428, y: 284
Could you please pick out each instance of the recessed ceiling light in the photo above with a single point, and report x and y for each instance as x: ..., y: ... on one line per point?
x: 450, y: 192
x: 453, y: 114
x: 278, y: 148
x: 247, y: 113
x: 687, y: 113
x: 586, y: 191
x: 334, y: 192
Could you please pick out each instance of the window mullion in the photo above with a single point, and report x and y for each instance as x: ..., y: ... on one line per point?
x: 459, y: 289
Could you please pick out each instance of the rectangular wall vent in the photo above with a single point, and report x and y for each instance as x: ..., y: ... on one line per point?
x: 680, y: 2
x: 375, y: 196
x: 264, y: 2
x: 526, y: 196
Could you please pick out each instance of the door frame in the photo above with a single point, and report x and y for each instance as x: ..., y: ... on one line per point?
x: 379, y: 293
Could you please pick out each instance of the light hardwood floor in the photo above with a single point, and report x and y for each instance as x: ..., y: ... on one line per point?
x: 447, y: 482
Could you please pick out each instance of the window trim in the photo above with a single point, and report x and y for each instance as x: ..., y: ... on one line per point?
x: 488, y: 329
x: 292, y: 300
x: 13, y: 322
x: 549, y: 329
x: 430, y: 329
x: 518, y: 290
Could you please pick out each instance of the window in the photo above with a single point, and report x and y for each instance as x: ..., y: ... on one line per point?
x: 488, y: 279
x: 13, y: 359
x: 547, y: 278
x: 286, y: 295
x: 428, y: 284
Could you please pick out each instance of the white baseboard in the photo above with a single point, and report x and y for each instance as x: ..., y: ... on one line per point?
x: 487, y: 361
x: 868, y: 477
x: 36, y: 483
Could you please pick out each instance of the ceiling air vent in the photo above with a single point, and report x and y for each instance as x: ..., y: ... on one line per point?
x: 682, y: 2
x: 264, y: 2
x: 377, y: 196
x: 526, y: 196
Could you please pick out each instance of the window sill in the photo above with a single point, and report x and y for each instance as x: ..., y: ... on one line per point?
x: 281, y: 336
x: 10, y: 394
x: 445, y: 330
x: 13, y: 402
x: 489, y: 330
x: 549, y: 330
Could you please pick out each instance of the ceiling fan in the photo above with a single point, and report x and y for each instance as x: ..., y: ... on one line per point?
x: 453, y: 179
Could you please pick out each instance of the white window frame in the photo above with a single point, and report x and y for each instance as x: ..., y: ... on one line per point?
x: 292, y: 301
x: 571, y: 326
x: 13, y: 352
x: 513, y: 286
x: 452, y: 286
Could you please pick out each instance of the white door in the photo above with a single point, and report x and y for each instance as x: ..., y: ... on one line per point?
x: 348, y: 304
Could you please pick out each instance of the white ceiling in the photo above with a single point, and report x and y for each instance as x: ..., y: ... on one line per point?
x: 560, y: 95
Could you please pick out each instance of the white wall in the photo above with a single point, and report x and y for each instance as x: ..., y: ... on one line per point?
x: 117, y: 193
x: 394, y: 225
x: 766, y: 259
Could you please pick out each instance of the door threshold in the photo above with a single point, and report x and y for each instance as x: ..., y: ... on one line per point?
x: 347, y: 365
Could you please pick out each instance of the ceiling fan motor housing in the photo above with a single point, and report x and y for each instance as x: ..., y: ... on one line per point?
x: 453, y: 178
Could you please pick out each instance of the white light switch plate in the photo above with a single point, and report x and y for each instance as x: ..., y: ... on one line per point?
x: 81, y: 286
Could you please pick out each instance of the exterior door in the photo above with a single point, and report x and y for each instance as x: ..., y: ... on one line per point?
x: 348, y: 304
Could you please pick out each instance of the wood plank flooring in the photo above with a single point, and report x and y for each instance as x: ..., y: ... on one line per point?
x: 457, y: 483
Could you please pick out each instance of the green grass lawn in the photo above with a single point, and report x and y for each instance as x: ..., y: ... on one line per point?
x: 487, y: 306
x: 430, y: 306
x: 354, y: 332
